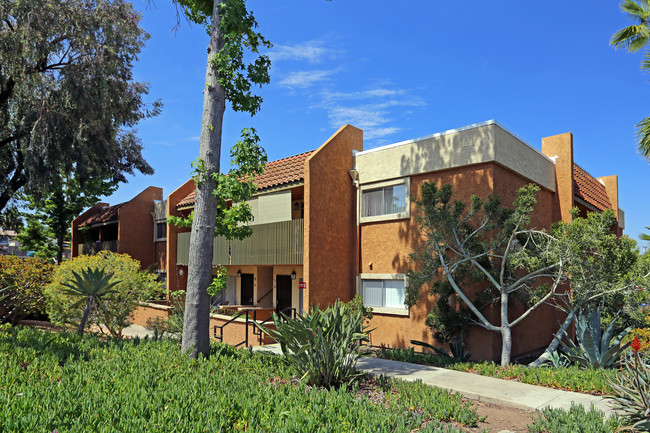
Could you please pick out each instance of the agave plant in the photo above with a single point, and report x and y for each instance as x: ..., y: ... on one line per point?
x: 596, y: 348
x: 456, y: 347
x: 632, y: 389
x: 90, y: 286
x: 323, y: 345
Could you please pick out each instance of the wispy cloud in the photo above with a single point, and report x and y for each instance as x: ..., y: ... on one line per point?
x: 311, y: 51
x: 164, y: 143
x: 304, y: 79
x: 373, y: 111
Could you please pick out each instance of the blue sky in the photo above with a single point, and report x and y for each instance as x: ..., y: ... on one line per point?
x: 401, y: 70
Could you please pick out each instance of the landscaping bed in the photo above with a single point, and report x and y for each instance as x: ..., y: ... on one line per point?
x: 572, y: 378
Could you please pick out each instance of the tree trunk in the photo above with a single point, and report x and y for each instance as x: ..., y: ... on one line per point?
x: 506, y: 332
x: 555, y: 343
x: 59, y: 250
x: 84, y: 318
x: 196, y: 325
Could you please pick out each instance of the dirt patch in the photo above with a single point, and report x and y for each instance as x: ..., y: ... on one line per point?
x: 40, y: 324
x: 499, y: 418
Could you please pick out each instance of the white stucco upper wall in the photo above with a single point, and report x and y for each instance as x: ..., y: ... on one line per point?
x: 474, y: 144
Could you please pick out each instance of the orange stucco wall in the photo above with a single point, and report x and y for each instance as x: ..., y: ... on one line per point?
x: 560, y: 148
x: 135, y: 227
x: 330, y: 220
x: 385, y: 248
x: 176, y: 275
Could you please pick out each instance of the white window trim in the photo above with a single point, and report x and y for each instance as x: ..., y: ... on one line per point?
x: 384, y: 310
x: 392, y: 216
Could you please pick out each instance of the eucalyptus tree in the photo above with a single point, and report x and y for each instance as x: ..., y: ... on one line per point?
x: 229, y: 77
x: 634, y: 38
x: 68, y: 100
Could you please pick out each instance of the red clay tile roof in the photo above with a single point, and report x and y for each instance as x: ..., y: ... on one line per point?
x: 280, y: 172
x: 588, y: 189
x: 104, y: 216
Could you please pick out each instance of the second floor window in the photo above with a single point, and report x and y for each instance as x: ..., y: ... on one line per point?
x: 161, y: 231
x: 384, y: 201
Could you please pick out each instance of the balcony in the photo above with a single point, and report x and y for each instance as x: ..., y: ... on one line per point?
x: 278, y: 243
x: 91, y: 248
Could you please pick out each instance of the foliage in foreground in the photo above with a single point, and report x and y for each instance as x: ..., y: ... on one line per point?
x: 322, y: 345
x: 21, y: 287
x: 61, y: 382
x: 134, y: 286
x: 571, y: 378
x: 632, y: 389
x: 575, y: 420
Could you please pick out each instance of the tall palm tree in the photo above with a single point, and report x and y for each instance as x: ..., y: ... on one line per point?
x: 633, y: 38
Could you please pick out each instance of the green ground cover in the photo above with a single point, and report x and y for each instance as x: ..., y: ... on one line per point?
x: 571, y: 378
x: 58, y: 382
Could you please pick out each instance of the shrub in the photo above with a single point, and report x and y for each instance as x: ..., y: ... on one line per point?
x: 323, y: 345
x: 134, y: 286
x: 575, y: 420
x: 21, y: 287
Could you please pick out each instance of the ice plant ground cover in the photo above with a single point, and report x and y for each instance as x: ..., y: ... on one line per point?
x: 58, y: 381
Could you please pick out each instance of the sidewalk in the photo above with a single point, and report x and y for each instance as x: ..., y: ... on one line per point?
x: 475, y: 387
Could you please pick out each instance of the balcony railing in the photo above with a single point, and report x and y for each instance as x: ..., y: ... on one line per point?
x: 278, y: 243
x: 91, y: 248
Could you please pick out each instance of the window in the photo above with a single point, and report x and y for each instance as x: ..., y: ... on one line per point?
x: 383, y: 293
x: 385, y: 200
x: 161, y: 231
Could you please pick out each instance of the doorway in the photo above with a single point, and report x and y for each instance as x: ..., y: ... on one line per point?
x: 247, y: 289
x: 283, y: 292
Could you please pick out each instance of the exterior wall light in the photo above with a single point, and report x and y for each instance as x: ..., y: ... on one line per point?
x: 238, y: 274
x: 293, y: 275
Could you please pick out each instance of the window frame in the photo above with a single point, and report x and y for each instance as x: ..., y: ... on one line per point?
x: 404, y: 311
x: 406, y: 181
x: 155, y: 231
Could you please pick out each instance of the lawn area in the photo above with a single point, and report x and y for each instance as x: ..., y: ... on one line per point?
x: 58, y: 382
x: 571, y: 378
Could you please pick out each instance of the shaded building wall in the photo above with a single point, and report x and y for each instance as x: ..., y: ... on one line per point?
x: 136, y: 227
x: 330, y: 220
x: 77, y: 237
x: 176, y: 274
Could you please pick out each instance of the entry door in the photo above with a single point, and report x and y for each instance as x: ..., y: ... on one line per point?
x: 283, y: 294
x: 247, y: 289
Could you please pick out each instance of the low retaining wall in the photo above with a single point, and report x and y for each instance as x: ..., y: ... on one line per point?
x: 234, y: 333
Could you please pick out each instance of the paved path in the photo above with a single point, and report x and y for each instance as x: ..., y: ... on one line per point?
x: 477, y: 387
x: 473, y: 386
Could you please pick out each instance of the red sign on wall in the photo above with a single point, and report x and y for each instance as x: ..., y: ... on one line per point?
x: 302, y: 285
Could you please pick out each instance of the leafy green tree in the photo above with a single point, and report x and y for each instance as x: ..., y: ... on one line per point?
x: 68, y: 101
x: 634, y: 38
x: 11, y: 219
x: 228, y: 77
x: 490, y: 240
x: 601, y: 270
x: 50, y: 217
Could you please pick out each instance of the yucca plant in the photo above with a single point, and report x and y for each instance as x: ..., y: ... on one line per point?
x: 632, y: 389
x: 595, y: 348
x: 323, y: 345
x: 90, y: 286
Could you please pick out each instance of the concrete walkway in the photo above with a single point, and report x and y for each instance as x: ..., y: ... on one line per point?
x: 473, y: 386
x: 476, y: 387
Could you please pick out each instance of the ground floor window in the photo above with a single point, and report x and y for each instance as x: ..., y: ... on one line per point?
x: 383, y: 293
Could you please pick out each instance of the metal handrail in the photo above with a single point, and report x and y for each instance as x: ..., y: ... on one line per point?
x: 220, y: 336
x: 265, y: 295
x: 257, y: 331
